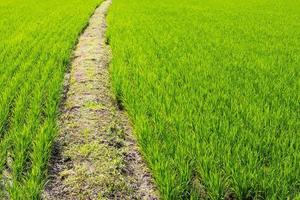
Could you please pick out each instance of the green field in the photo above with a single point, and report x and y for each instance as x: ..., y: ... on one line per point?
x: 213, y: 90
x: 36, y: 41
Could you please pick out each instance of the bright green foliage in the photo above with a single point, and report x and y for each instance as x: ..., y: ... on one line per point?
x: 36, y: 41
x: 213, y: 90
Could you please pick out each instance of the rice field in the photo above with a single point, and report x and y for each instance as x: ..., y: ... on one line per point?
x: 213, y: 90
x: 36, y: 42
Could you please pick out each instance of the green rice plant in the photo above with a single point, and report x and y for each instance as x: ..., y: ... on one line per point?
x: 213, y: 90
x: 37, y: 38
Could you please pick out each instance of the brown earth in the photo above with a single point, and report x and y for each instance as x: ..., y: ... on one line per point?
x: 95, y: 155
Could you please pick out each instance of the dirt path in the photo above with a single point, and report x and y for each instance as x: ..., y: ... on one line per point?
x: 95, y: 155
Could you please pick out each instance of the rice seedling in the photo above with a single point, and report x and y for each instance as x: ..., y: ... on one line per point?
x: 36, y: 41
x: 212, y: 88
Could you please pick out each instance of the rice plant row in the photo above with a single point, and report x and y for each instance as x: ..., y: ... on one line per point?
x: 213, y: 90
x: 36, y: 41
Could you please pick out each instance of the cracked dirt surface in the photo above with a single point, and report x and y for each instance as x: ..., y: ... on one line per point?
x: 95, y: 155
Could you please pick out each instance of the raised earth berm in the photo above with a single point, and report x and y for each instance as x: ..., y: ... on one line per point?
x: 95, y: 155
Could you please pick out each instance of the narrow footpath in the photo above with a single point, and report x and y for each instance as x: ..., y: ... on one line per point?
x: 95, y: 155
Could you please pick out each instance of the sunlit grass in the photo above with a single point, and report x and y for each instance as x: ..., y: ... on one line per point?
x: 212, y: 88
x: 36, y: 41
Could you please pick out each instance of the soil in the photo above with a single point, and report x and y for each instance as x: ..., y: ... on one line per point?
x: 95, y: 155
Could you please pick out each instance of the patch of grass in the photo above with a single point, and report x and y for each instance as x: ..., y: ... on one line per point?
x: 94, y: 106
x: 212, y: 88
x: 37, y: 38
x: 96, y: 166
